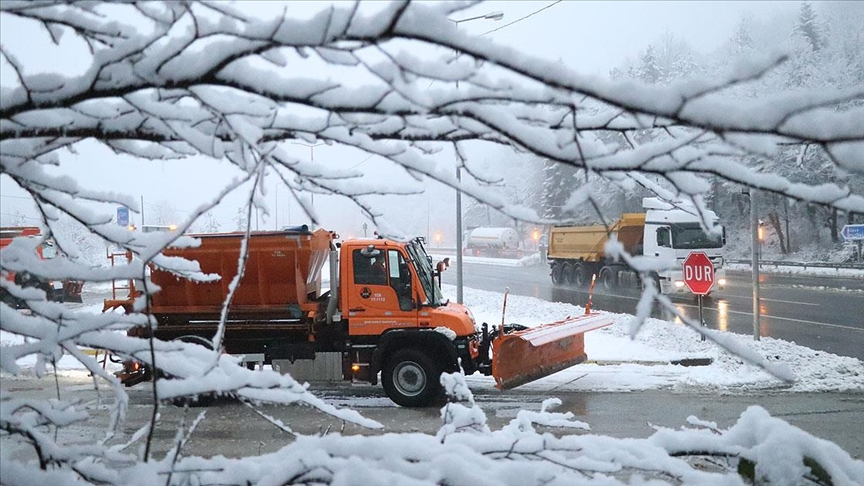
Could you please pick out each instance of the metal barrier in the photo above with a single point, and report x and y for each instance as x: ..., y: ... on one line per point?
x: 781, y: 263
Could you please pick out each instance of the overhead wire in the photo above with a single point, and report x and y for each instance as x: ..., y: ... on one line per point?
x: 523, y: 18
x: 488, y: 32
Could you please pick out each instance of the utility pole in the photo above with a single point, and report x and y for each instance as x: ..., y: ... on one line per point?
x: 490, y: 16
x: 459, y: 235
x: 755, y: 248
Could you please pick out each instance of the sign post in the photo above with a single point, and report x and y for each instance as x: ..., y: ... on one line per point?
x: 854, y: 232
x: 699, y: 277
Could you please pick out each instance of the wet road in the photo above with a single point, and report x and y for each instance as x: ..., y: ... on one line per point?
x: 823, y: 313
x: 234, y: 430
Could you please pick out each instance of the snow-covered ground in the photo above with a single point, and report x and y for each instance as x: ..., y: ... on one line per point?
x: 617, y: 363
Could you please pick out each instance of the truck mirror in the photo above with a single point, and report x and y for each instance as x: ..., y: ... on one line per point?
x: 441, y: 267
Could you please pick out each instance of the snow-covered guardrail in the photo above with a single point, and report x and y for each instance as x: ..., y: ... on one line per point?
x: 854, y: 270
x: 781, y: 263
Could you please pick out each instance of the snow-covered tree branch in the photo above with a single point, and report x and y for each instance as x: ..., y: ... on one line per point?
x: 164, y: 81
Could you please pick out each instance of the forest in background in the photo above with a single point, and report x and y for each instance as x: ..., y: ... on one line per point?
x: 826, y: 49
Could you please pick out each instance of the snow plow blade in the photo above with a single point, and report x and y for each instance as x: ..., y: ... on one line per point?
x: 524, y: 356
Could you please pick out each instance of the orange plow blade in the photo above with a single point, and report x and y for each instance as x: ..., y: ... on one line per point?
x: 524, y: 356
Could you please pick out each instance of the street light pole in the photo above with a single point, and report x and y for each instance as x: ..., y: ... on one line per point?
x: 459, y: 235
x: 459, y: 293
x: 312, y: 161
x: 755, y: 247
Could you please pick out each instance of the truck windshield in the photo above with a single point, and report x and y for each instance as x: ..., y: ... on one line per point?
x: 424, y: 270
x: 690, y: 236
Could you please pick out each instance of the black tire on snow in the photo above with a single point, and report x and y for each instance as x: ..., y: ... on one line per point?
x: 411, y: 379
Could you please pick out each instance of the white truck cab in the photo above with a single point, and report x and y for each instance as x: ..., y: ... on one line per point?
x: 672, y: 231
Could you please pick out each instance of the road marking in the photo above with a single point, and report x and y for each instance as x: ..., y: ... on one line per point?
x: 787, y: 301
x: 823, y: 324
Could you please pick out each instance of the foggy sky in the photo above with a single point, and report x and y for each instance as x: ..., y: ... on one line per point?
x: 589, y: 37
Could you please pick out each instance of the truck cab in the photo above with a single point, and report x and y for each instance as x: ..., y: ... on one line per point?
x: 398, y: 321
x: 671, y: 233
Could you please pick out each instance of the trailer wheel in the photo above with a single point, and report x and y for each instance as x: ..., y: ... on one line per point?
x: 579, y: 276
x: 411, y: 379
x: 557, y: 273
x: 608, y: 277
x: 568, y: 274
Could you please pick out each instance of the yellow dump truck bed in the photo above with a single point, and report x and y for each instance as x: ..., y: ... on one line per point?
x: 588, y: 242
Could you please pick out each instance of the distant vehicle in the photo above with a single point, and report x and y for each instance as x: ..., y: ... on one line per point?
x: 578, y: 252
x: 152, y: 228
x: 493, y: 242
x: 57, y: 290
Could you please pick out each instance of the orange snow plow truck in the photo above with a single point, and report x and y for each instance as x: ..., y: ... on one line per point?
x: 57, y: 290
x: 384, y: 312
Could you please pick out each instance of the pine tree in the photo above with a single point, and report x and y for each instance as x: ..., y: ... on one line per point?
x: 240, y: 220
x: 558, y: 183
x: 808, y: 27
x: 648, y: 70
x: 211, y: 225
x: 741, y: 40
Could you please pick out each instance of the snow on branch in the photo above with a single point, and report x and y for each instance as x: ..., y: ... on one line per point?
x: 164, y: 81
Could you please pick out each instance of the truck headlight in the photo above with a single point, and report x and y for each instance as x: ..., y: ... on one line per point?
x: 721, y: 282
x: 679, y: 284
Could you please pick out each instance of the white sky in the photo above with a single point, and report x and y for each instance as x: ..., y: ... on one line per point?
x: 590, y: 37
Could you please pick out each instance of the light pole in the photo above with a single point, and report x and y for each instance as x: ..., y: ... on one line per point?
x: 312, y: 160
x: 755, y: 248
x: 459, y: 293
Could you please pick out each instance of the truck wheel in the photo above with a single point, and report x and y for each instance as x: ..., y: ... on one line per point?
x: 579, y: 276
x: 557, y: 273
x: 411, y: 379
x: 567, y: 274
x: 608, y: 278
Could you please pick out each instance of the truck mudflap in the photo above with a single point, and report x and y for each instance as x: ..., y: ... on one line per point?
x: 524, y: 356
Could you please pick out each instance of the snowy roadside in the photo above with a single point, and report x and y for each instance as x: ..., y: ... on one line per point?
x: 617, y: 363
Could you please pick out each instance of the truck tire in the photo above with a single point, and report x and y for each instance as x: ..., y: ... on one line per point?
x: 568, y: 274
x: 411, y: 379
x: 579, y: 276
x: 557, y: 273
x: 608, y: 277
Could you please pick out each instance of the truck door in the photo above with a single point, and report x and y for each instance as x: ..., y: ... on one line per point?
x: 382, y: 295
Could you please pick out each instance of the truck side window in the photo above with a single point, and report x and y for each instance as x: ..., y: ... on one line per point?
x: 369, y: 270
x: 663, y: 237
x: 400, y: 279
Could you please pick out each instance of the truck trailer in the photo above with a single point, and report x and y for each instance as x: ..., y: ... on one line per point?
x: 493, y: 242
x: 665, y: 231
x: 383, y: 313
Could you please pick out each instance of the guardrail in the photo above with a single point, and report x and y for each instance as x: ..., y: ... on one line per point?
x: 805, y: 265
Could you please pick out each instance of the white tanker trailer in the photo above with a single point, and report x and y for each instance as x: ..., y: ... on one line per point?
x: 493, y: 242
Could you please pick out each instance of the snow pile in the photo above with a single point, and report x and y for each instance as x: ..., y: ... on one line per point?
x: 617, y: 363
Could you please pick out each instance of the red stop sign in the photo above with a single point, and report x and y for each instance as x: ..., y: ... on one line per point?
x: 698, y: 273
